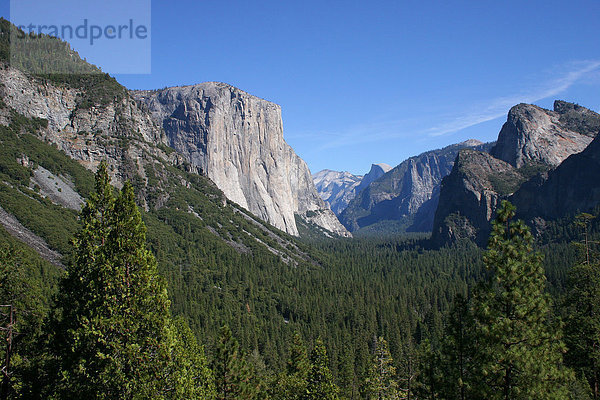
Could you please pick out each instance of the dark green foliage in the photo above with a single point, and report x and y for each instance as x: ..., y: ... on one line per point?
x: 232, y: 375
x: 320, y: 385
x: 582, y: 328
x: 518, y: 353
x: 291, y: 384
x: 457, y: 352
x: 114, y: 337
x: 26, y: 283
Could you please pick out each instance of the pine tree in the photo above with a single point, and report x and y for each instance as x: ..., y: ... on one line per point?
x: 232, y: 377
x: 582, y: 327
x: 114, y: 336
x: 457, y: 352
x: 428, y: 374
x: 320, y: 380
x: 382, y: 383
x: 519, y: 354
x: 291, y: 384
x: 408, y: 370
x: 191, y: 378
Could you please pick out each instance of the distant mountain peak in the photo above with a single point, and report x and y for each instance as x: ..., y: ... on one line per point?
x: 383, y: 166
x: 338, y: 188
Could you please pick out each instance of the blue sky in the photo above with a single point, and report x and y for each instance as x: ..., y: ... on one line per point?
x: 364, y: 82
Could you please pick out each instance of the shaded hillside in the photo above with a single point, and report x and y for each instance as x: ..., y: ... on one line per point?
x: 574, y: 186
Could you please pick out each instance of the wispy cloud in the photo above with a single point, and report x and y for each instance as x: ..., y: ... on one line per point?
x: 498, y: 107
x: 493, y: 108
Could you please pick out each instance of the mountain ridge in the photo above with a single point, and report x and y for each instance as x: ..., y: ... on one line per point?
x: 406, y: 196
x: 532, y: 145
x: 338, y: 188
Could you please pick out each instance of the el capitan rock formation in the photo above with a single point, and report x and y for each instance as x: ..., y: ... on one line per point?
x: 236, y: 139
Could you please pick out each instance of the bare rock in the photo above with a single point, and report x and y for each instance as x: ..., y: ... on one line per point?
x: 534, y: 134
x: 236, y: 139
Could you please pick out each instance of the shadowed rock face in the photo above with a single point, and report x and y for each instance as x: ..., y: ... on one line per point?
x: 539, y: 163
x: 470, y: 195
x: 572, y: 187
x: 236, y: 139
x: 534, y: 134
x: 407, y: 195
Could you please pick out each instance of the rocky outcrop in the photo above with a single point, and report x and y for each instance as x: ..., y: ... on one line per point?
x: 469, y: 196
x: 534, y: 134
x: 339, y: 188
x: 119, y: 132
x: 574, y: 186
x: 538, y: 163
x: 236, y: 139
x: 406, y: 196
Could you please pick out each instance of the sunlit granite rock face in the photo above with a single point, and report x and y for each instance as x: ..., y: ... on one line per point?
x: 534, y: 134
x: 236, y: 139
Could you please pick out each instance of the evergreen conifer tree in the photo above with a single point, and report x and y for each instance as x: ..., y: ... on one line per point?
x: 232, y: 377
x: 320, y: 380
x: 517, y: 351
x: 382, y: 383
x: 191, y: 378
x: 114, y: 335
x: 582, y: 327
x: 292, y: 383
x: 457, y: 352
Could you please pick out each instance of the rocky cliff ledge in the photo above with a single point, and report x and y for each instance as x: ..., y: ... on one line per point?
x: 236, y: 139
x: 534, y: 134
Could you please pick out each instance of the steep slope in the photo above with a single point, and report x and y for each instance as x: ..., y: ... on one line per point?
x: 469, y: 196
x: 574, y: 186
x: 406, y: 196
x: 236, y: 139
x: 339, y: 188
x: 532, y: 142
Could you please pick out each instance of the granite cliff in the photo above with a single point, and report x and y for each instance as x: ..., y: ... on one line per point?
x: 236, y: 140
x: 525, y: 166
x: 405, y: 198
x: 534, y: 134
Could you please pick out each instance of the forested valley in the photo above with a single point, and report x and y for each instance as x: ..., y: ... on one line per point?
x: 365, y: 318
